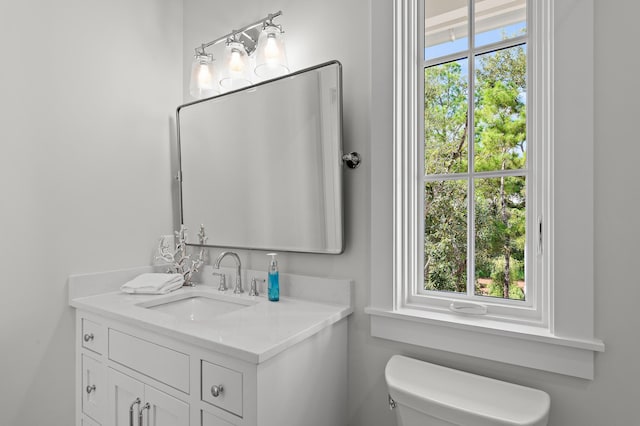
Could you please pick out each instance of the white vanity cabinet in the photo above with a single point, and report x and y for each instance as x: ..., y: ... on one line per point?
x: 129, y: 375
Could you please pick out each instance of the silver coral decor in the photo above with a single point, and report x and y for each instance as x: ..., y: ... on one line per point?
x: 179, y: 260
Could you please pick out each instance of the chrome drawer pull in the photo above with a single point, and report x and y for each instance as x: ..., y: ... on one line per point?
x: 91, y: 388
x: 88, y: 337
x: 216, y: 390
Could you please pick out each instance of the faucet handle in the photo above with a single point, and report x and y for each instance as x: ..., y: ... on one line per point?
x: 223, y: 280
x: 254, y: 290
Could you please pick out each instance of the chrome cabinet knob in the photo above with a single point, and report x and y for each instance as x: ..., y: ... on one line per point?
x: 90, y: 388
x: 88, y: 337
x: 216, y: 390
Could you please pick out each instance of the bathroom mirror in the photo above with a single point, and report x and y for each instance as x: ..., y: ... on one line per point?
x: 261, y: 167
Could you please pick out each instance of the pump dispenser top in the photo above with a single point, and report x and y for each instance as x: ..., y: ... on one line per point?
x: 273, y: 288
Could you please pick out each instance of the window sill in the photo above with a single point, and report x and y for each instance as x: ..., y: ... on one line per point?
x: 522, y: 345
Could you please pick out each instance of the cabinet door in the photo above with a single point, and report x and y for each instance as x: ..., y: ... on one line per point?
x: 123, y: 391
x: 165, y: 410
x: 211, y: 420
x: 94, y: 390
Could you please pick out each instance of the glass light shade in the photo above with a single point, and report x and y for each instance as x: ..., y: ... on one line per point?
x: 271, y: 55
x: 204, y: 82
x: 235, y: 73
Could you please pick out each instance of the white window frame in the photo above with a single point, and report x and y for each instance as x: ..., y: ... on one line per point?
x: 532, y: 310
x: 560, y: 339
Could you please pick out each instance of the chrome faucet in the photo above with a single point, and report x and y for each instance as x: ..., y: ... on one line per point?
x: 238, y: 288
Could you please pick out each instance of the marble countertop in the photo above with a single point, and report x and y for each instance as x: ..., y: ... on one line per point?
x: 254, y: 333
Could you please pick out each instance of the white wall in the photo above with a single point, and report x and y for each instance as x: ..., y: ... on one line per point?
x: 87, y: 89
x: 84, y: 186
x: 335, y: 29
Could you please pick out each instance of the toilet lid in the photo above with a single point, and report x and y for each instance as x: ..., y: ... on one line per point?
x: 463, y: 398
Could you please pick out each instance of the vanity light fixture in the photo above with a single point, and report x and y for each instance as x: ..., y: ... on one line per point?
x: 262, y: 37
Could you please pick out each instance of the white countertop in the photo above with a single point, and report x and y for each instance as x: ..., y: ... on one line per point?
x: 254, y: 333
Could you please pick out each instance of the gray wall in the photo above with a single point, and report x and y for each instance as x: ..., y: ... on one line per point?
x: 85, y: 186
x: 87, y: 89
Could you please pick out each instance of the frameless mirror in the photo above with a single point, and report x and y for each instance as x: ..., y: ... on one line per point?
x: 261, y: 167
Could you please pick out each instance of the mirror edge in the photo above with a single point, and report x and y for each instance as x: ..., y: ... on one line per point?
x: 177, y: 165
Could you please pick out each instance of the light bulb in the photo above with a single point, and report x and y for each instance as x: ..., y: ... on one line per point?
x: 235, y: 62
x: 271, y: 50
x: 204, y: 77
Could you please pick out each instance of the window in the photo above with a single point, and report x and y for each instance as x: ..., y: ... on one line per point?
x: 475, y: 158
x: 489, y: 180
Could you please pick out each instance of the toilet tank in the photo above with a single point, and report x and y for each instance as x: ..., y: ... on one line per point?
x: 460, y: 398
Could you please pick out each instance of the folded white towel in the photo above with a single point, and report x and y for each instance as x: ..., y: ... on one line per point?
x: 153, y: 283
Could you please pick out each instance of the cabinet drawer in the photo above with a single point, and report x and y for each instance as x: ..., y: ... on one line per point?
x: 161, y: 363
x: 211, y: 420
x: 86, y: 421
x: 94, y: 389
x: 93, y: 336
x: 230, y: 397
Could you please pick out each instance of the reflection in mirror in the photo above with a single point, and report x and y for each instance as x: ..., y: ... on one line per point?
x: 261, y: 167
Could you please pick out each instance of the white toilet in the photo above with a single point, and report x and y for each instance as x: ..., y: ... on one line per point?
x: 424, y: 394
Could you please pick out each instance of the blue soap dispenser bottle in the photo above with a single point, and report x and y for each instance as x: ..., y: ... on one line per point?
x: 273, y: 288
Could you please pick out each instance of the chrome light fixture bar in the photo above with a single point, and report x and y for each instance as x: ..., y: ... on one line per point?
x: 263, y: 37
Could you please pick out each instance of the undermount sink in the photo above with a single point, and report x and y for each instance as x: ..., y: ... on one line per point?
x: 195, y: 307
